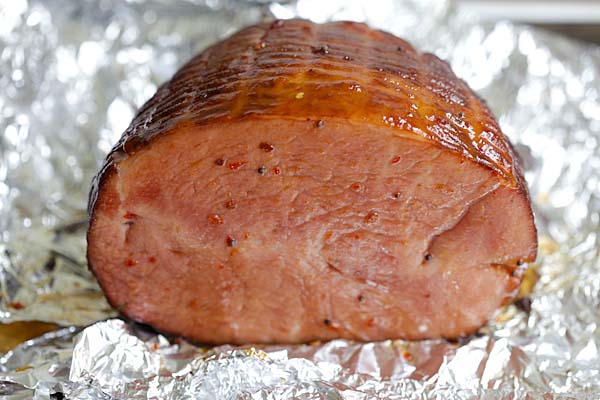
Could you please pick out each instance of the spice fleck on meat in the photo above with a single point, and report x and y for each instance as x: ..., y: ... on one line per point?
x: 230, y: 241
x: 236, y: 165
x: 215, y: 219
x: 266, y: 147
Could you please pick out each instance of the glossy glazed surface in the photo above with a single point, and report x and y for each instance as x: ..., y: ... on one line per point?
x: 299, y: 69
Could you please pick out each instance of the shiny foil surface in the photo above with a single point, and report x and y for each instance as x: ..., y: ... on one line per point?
x: 72, y: 75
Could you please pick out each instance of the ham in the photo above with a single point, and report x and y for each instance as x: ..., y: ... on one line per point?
x: 302, y: 181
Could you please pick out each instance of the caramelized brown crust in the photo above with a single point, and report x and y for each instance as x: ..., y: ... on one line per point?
x: 297, y: 69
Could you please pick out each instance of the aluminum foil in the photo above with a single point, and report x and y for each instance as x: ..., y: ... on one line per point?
x: 72, y: 75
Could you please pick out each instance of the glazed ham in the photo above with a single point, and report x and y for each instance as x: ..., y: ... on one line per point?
x: 300, y: 181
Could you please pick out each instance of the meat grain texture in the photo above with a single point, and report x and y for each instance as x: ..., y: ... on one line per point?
x: 300, y: 181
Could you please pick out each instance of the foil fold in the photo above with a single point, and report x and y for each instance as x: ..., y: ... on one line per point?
x: 72, y: 76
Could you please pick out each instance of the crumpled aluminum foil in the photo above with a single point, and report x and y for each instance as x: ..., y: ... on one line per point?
x: 72, y: 75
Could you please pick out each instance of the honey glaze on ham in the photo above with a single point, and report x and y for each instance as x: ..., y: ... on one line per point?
x: 300, y: 181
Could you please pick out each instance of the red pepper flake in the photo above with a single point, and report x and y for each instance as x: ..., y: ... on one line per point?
x: 372, y: 217
x: 230, y: 204
x: 220, y: 161
x: 246, y: 235
x: 276, y: 170
x: 215, y: 219
x: 327, y: 235
x: 236, y: 165
x: 396, y: 160
x: 220, y: 266
x: 230, y: 241
x: 356, y: 186
x: 16, y: 305
x: 407, y: 356
x: 130, y: 262
x: 155, y: 346
x: 130, y: 215
x: 371, y: 322
x: 152, y: 260
x: 266, y: 147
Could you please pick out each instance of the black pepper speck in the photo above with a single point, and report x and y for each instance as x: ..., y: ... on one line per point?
x: 321, y: 50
